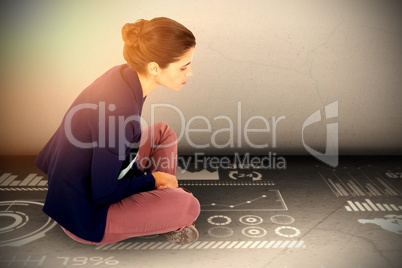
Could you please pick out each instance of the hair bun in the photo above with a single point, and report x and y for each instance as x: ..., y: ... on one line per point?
x: 131, y: 32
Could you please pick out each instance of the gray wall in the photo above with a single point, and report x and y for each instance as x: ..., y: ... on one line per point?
x: 260, y: 59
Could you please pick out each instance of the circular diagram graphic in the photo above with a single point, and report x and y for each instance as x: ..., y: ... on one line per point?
x: 282, y: 219
x: 27, y: 218
x: 251, y: 220
x: 219, y: 220
x: 220, y: 232
x: 287, y: 231
x: 254, y: 232
x: 17, y: 220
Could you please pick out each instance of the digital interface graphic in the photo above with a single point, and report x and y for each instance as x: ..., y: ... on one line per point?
x: 243, y: 209
x: 22, y: 222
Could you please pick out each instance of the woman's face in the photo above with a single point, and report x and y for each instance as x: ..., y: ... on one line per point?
x: 175, y: 76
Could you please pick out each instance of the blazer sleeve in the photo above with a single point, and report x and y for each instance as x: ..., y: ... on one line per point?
x: 106, y: 167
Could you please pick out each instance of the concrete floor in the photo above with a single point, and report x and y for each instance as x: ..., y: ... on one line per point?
x: 301, y: 214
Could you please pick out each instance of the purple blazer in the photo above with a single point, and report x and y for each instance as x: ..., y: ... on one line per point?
x: 98, y: 137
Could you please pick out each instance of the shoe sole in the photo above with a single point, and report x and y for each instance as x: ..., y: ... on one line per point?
x: 183, y: 237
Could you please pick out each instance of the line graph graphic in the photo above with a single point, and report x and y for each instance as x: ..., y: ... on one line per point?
x: 237, y: 205
x: 271, y: 201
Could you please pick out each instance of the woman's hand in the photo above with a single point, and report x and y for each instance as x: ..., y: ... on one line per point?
x: 164, y: 180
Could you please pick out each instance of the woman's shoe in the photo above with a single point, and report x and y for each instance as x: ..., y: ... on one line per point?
x: 183, y: 237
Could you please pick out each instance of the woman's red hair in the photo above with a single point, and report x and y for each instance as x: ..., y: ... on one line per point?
x: 161, y: 40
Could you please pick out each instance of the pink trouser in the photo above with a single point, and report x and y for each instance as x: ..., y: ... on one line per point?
x: 157, y: 211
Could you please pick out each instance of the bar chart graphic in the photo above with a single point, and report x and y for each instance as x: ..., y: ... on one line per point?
x: 370, y: 206
x: 9, y: 181
x: 359, y: 184
x: 204, y: 245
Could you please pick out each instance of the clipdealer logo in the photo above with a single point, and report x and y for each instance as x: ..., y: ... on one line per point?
x: 330, y: 156
x: 112, y: 127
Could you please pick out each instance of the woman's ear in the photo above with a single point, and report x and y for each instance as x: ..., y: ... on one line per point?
x: 153, y: 68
